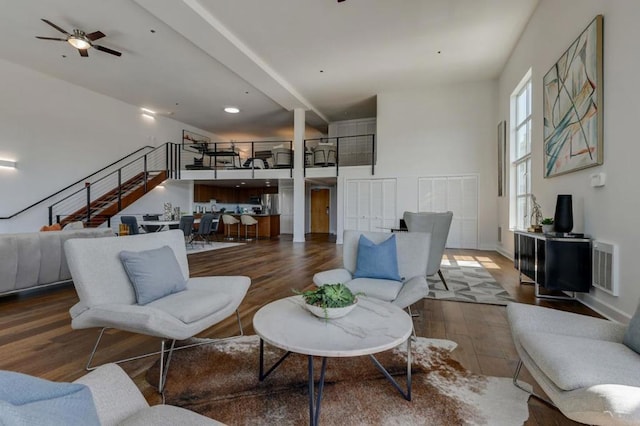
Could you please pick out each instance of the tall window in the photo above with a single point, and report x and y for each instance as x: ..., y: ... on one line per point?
x: 521, y: 154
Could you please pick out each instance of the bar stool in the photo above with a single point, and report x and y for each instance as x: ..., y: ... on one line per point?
x: 247, y: 221
x: 227, y: 219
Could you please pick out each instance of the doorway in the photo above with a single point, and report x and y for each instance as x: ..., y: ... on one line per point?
x: 320, y: 210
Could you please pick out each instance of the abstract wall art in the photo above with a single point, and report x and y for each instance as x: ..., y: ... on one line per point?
x: 572, y: 103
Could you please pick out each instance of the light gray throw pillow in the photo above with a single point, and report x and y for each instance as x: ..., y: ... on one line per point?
x: 154, y: 273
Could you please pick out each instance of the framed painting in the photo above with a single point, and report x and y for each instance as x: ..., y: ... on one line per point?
x: 572, y: 105
x: 192, y: 138
x: 502, y: 149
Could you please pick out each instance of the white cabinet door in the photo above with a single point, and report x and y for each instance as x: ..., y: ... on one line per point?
x: 458, y: 194
x: 370, y: 204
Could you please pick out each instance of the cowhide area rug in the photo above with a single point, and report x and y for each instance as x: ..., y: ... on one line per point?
x: 220, y: 381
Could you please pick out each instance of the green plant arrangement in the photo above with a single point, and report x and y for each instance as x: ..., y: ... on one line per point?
x: 329, y: 296
x: 547, y: 221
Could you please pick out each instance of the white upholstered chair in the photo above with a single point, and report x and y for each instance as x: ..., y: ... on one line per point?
x: 437, y: 225
x: 108, y: 298
x: 580, y: 362
x: 412, y: 251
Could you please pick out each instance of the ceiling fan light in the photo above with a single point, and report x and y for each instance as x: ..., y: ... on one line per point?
x: 79, y: 43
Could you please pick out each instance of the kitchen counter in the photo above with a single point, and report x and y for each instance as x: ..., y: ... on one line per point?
x: 268, y: 226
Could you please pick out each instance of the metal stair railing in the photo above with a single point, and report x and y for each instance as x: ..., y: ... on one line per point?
x: 356, y: 150
x: 101, y: 199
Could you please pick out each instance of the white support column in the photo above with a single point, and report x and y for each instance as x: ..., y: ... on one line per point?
x: 298, y: 175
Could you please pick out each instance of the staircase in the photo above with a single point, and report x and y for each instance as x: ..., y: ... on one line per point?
x: 106, y: 196
x: 110, y: 204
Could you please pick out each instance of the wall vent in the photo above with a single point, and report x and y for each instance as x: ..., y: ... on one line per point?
x: 605, y: 267
x: 499, y: 234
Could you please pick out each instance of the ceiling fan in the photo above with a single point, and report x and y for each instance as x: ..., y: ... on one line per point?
x: 81, y: 40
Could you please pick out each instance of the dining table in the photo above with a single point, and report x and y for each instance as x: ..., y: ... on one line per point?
x: 165, y: 225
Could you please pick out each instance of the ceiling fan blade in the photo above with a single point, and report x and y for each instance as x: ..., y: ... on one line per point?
x: 83, y: 52
x: 51, y: 38
x: 96, y: 35
x: 56, y: 27
x: 107, y: 50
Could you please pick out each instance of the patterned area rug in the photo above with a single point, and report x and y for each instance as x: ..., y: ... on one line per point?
x: 468, y: 281
x: 221, y: 381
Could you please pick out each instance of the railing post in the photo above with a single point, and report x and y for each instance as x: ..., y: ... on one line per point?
x: 337, y: 155
x: 253, y: 165
x: 166, y: 159
x: 50, y: 215
x: 304, y: 161
x: 215, y: 161
x: 145, y: 173
x: 119, y: 189
x: 373, y: 154
x: 87, y: 185
x: 293, y: 159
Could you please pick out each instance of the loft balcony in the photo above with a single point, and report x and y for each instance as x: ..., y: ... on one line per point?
x: 323, y: 157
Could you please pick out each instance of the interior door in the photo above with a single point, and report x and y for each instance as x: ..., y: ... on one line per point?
x: 320, y: 203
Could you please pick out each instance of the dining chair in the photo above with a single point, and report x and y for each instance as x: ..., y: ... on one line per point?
x: 204, y: 229
x: 151, y: 218
x: 186, y: 226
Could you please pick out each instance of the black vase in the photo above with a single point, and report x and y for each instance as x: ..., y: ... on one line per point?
x: 563, y: 219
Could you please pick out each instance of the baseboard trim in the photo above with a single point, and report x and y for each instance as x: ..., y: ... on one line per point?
x: 505, y: 253
x: 603, y: 309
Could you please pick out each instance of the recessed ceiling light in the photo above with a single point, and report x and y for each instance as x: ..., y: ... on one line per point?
x: 237, y: 186
x: 243, y: 183
x: 232, y: 110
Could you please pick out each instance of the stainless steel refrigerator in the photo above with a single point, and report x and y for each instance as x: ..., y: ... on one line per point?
x: 270, y: 203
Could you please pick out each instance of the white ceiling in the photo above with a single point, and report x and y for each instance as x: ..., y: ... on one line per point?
x: 265, y: 56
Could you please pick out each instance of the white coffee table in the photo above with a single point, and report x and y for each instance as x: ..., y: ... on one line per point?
x: 372, y: 327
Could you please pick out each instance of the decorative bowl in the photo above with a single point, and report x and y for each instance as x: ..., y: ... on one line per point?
x: 330, y: 313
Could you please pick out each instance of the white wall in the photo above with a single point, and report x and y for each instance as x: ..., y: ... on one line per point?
x: 60, y: 133
x: 441, y: 131
x: 608, y: 213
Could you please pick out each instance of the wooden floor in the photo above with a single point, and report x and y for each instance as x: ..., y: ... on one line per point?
x: 36, y: 337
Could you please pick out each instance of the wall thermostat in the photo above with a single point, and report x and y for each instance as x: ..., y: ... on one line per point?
x: 598, y: 179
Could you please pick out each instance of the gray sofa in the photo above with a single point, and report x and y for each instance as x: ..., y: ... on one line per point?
x: 119, y: 402
x: 580, y: 362
x: 37, y: 259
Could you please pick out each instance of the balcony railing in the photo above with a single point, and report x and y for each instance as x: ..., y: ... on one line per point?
x: 252, y: 155
x: 343, y: 151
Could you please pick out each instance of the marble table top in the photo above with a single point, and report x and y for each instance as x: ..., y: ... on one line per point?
x: 373, y: 326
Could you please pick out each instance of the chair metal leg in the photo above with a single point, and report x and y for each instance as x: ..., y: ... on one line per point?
x: 162, y: 351
x: 413, y: 328
x: 530, y: 392
x: 442, y: 279
x: 164, y: 369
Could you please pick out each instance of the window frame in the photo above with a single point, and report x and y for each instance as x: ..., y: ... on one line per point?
x: 520, y: 205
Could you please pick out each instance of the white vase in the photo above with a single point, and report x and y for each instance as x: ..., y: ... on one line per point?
x: 547, y: 228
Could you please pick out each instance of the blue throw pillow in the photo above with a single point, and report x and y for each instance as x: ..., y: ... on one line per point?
x: 377, y: 260
x: 154, y: 273
x: 27, y: 400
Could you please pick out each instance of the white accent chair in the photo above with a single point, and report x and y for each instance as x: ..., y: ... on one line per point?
x: 108, y: 300
x: 119, y: 402
x: 282, y: 157
x: 437, y: 225
x: 580, y: 362
x: 413, y: 251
